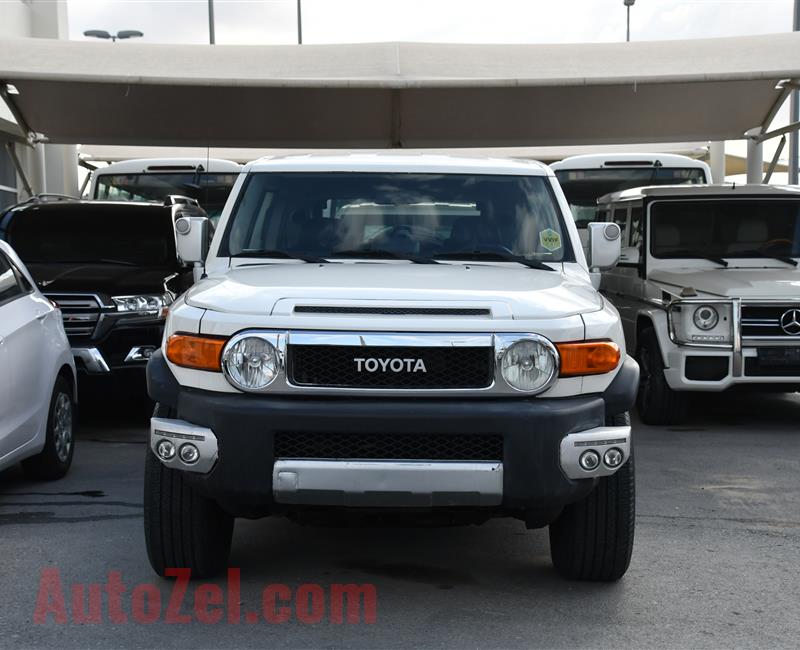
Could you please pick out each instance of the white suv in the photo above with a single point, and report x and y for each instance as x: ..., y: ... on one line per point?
x: 708, y: 289
x: 393, y: 335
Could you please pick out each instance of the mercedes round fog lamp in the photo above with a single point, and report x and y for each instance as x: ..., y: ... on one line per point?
x: 529, y: 365
x: 250, y: 363
x: 706, y: 317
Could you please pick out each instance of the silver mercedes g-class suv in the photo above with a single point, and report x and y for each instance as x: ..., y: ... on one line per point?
x: 393, y: 335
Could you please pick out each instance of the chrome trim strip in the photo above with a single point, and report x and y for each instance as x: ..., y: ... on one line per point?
x: 600, y: 439
x: 387, y: 483
x: 372, y: 339
x: 737, y: 363
x: 92, y: 359
x: 140, y: 353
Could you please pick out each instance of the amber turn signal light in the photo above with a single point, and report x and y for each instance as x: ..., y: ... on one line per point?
x: 198, y: 352
x: 588, y: 358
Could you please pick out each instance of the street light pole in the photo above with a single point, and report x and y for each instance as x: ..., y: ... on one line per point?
x: 299, y: 23
x: 122, y: 35
x: 628, y: 5
x: 211, y: 38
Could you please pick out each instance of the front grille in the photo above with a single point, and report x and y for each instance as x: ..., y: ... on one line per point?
x: 392, y: 311
x: 759, y: 321
x: 372, y: 446
x: 336, y: 366
x: 80, y: 312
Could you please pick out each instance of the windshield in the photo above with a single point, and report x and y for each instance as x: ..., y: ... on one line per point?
x: 211, y: 190
x: 725, y: 228
x: 397, y: 215
x: 583, y: 187
x: 66, y: 233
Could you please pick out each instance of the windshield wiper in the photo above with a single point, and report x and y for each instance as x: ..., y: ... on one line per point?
x: 309, y: 259
x: 377, y: 253
x: 686, y: 252
x: 754, y: 253
x: 495, y: 256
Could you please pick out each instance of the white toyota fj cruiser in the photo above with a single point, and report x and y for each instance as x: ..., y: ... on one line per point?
x: 393, y: 336
x: 708, y: 288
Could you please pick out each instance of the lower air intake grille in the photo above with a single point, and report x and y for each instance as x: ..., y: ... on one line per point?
x: 338, y: 366
x: 369, y: 446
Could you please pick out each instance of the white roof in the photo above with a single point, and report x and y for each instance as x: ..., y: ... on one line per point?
x: 156, y: 165
x: 727, y: 191
x: 399, y: 162
x: 397, y: 94
x: 600, y: 160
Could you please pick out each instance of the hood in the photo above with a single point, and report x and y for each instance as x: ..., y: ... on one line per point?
x: 514, y: 291
x: 734, y: 282
x: 102, y: 279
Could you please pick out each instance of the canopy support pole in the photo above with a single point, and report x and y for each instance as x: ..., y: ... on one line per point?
x: 20, y: 170
x: 775, y: 159
x: 755, y: 156
x: 717, y: 155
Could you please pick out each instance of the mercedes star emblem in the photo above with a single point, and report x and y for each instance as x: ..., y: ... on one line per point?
x: 790, y: 322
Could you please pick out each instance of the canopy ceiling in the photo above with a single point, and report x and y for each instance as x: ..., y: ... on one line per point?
x: 397, y: 94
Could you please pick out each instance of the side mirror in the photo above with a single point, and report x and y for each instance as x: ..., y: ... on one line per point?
x: 191, y: 238
x: 604, y: 245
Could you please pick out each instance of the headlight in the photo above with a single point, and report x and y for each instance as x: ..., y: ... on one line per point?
x: 529, y: 365
x: 250, y: 363
x: 701, y: 323
x: 706, y: 317
x: 142, y: 305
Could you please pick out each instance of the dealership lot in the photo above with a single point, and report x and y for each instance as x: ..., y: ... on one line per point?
x: 718, y: 537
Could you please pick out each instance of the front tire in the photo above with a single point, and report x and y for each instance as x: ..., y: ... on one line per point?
x: 182, y: 528
x: 593, y: 539
x: 55, y: 459
x: 656, y: 402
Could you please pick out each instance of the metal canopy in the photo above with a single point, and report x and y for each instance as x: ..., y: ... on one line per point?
x: 397, y: 94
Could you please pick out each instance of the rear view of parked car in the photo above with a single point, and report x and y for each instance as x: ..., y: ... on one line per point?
x: 37, y: 377
x: 110, y: 267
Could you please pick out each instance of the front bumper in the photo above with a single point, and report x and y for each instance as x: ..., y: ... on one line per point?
x: 692, y: 369
x: 248, y: 479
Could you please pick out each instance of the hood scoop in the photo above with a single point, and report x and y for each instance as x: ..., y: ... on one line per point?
x: 345, y: 310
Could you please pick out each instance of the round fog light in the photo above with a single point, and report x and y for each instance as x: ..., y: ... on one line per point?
x: 613, y: 457
x: 165, y: 450
x: 589, y: 460
x: 189, y: 453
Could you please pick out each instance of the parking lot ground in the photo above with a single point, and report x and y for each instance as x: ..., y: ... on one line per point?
x: 716, y: 562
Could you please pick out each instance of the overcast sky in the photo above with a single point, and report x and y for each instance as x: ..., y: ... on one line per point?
x: 477, y: 21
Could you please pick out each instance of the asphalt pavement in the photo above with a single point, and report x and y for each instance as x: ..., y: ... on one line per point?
x: 716, y: 562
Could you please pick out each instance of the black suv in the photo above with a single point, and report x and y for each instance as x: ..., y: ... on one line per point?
x: 112, y: 269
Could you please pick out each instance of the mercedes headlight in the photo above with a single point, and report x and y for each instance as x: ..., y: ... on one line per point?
x: 250, y: 363
x: 143, y: 305
x: 706, y: 317
x: 529, y: 365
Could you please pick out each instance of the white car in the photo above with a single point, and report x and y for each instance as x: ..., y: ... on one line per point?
x: 393, y: 335
x: 37, y: 377
x: 708, y: 288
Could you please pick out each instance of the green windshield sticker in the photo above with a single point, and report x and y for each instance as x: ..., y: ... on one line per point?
x: 550, y: 239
